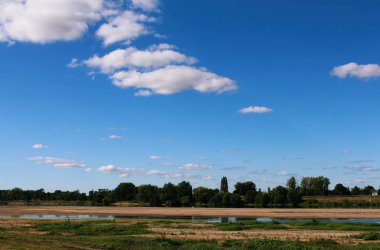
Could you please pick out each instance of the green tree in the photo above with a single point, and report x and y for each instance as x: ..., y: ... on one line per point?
x: 235, y: 200
x: 293, y: 196
x: 368, y: 190
x: 262, y: 199
x: 148, y: 194
x: 185, y: 193
x: 169, y: 195
x: 242, y: 188
x: 341, y: 190
x: 313, y: 186
x: 280, y: 196
x: 203, y: 195
x: 224, y: 184
x: 108, y: 199
x: 125, y: 191
x: 356, y: 190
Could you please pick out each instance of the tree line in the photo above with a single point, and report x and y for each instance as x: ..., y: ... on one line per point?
x: 245, y: 194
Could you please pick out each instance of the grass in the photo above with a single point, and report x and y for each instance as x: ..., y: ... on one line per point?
x: 91, y: 227
x: 338, y: 226
x: 131, y: 234
x: 248, y: 225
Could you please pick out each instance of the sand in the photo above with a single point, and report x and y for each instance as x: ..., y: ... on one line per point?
x: 209, y: 212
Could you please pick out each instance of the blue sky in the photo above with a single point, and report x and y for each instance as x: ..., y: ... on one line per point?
x: 97, y: 92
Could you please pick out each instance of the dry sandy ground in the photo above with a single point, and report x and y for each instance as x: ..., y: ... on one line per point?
x: 208, y: 234
x: 224, y: 212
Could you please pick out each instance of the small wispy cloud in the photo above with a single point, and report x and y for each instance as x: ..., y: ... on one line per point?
x: 345, y: 152
x: 123, y: 172
x: 74, y: 63
x: 255, y: 110
x: 285, y: 173
x: 159, y: 158
x: 259, y: 171
x: 144, y: 93
x: 115, y: 137
x: 208, y: 178
x: 289, y: 158
x: 39, y: 146
x: 58, y: 162
x: 361, y: 161
x: 232, y: 168
x: 362, y: 168
x: 191, y: 166
x: 230, y: 150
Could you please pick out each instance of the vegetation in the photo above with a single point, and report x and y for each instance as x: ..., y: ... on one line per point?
x: 141, y: 234
x: 311, y: 192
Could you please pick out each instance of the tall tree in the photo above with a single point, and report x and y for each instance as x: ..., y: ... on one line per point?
x: 169, y: 195
x: 224, y: 184
x: 185, y: 193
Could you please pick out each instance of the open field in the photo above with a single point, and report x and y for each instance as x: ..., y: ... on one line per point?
x: 182, y: 234
x: 224, y: 212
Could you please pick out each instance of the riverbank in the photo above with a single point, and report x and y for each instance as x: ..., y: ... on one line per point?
x: 208, y: 212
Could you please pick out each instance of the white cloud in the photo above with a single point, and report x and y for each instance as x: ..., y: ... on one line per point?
x: 285, y: 173
x: 88, y: 169
x: 357, y: 70
x: 208, y: 178
x: 359, y: 181
x: 147, y: 5
x: 153, y: 57
x: 123, y: 27
x: 363, y: 168
x: 345, y: 152
x: 173, y: 79
x: 58, y: 162
x: 157, y: 157
x: 39, y: 146
x: 144, y: 93
x: 259, y: 171
x: 115, y: 137
x: 43, y: 21
x: 255, y: 110
x: 123, y: 172
x: 73, y: 64
x: 191, y: 166
x: 168, y: 175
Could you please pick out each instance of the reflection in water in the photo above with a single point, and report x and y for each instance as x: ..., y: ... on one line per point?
x: 193, y: 219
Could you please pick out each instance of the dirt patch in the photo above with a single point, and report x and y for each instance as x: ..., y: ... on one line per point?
x: 225, y: 212
x: 294, y: 235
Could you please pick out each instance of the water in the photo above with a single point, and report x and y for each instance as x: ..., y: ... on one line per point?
x: 194, y: 219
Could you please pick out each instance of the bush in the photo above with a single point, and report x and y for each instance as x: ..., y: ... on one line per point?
x: 369, y: 236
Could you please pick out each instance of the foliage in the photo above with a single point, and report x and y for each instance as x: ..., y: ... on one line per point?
x: 224, y: 184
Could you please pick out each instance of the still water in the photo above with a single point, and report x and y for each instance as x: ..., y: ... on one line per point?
x: 194, y: 219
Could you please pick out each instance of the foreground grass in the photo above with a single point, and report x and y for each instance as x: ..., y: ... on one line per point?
x: 136, y: 234
x: 337, y: 226
x: 92, y: 228
x: 309, y: 225
x: 248, y: 225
